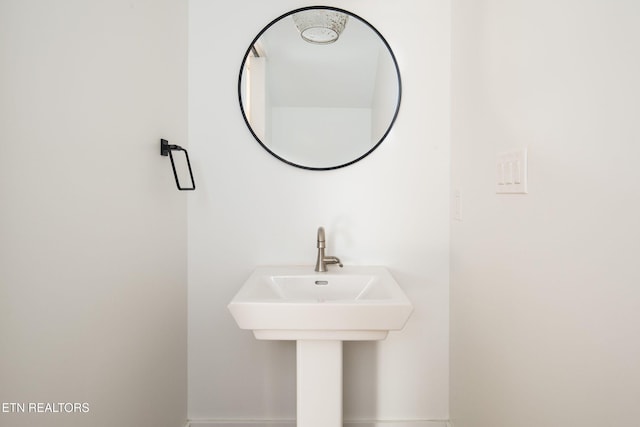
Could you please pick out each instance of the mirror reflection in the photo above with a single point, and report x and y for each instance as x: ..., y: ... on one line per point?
x: 319, y: 88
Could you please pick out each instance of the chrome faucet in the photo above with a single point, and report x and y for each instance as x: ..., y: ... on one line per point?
x: 323, y: 260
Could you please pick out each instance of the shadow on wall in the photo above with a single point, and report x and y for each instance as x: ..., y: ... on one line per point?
x: 360, y: 379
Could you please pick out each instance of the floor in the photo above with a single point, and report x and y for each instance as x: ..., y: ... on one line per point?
x: 292, y: 424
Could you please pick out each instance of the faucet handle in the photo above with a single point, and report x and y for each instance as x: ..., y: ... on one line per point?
x: 333, y: 260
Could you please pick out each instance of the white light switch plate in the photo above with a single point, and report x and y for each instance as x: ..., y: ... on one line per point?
x: 511, y: 172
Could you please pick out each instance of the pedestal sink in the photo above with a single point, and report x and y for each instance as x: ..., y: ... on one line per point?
x: 319, y: 311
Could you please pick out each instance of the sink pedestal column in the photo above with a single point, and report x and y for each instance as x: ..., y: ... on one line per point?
x: 319, y: 383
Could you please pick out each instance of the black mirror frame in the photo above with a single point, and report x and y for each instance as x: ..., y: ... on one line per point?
x: 395, y: 63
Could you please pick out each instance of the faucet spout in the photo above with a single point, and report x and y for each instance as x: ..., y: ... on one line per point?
x: 321, y: 238
x: 322, y: 260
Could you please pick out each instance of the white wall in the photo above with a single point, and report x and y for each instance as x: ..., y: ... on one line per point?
x: 92, y: 229
x: 545, y: 295
x: 251, y: 209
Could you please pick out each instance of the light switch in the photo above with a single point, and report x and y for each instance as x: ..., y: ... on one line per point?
x: 511, y: 170
x: 517, y: 174
x: 500, y: 173
x: 457, y: 205
x: 508, y: 169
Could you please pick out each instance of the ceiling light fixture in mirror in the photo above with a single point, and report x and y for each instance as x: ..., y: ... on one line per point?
x: 320, y: 26
x: 324, y: 100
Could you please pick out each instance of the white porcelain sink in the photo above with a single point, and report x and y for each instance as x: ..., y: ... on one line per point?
x: 296, y: 303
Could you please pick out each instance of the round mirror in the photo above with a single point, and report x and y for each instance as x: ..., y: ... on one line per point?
x: 319, y: 88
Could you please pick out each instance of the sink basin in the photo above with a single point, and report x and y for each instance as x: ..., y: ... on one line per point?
x: 296, y: 303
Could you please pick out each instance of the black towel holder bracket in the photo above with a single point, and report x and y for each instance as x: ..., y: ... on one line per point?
x: 165, y: 150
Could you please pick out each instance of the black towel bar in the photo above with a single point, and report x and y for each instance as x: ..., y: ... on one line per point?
x: 165, y: 150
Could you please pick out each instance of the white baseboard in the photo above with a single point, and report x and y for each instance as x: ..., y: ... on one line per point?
x: 292, y: 423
